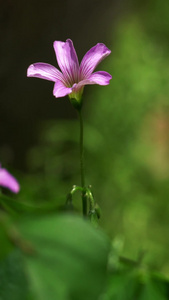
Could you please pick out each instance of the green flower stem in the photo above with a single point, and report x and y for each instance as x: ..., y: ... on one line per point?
x: 81, y: 151
x: 84, y: 196
x: 76, y: 188
x: 91, y: 199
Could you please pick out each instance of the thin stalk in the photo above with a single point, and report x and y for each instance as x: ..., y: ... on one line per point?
x: 84, y: 196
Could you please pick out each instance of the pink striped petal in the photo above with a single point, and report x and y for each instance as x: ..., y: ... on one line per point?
x: 44, y: 71
x: 60, y: 90
x: 100, y: 77
x: 8, y: 181
x: 92, y: 58
x: 67, y: 60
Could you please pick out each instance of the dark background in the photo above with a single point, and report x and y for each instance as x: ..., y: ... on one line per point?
x: 27, y: 31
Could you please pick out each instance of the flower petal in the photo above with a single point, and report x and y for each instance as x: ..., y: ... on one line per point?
x: 60, y: 90
x: 67, y: 60
x: 44, y: 71
x: 8, y: 181
x: 92, y: 58
x: 100, y: 77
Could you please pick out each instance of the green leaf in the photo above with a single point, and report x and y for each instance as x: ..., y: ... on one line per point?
x: 134, y: 283
x: 13, y: 282
x: 154, y: 290
x: 70, y: 258
x: 13, y: 206
x: 122, y: 286
x: 5, y: 244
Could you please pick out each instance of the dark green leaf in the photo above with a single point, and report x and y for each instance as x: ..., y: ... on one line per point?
x: 14, y: 206
x: 122, y: 286
x: 154, y: 290
x: 140, y: 284
x: 13, y: 282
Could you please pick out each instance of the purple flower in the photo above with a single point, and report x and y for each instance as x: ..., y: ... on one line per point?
x: 73, y: 77
x: 8, y: 181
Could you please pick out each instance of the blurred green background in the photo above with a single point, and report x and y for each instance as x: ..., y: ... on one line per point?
x: 126, y: 123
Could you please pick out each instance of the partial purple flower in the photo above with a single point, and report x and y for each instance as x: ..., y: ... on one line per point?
x: 73, y: 77
x: 8, y: 181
